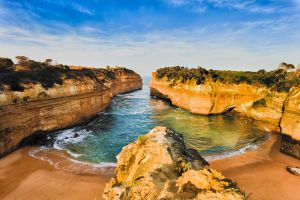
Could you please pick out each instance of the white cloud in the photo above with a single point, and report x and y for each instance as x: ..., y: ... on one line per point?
x: 82, y: 9
x: 225, y: 47
x: 249, y: 45
x: 249, y: 5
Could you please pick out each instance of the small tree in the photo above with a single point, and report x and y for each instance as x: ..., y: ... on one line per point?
x: 22, y: 60
x: 286, y: 66
x: 48, y: 62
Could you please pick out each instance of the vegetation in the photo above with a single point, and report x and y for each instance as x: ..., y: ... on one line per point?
x: 6, y: 65
x: 141, y: 140
x: 259, y: 103
x: 182, y: 166
x: 47, y: 74
x: 279, y: 80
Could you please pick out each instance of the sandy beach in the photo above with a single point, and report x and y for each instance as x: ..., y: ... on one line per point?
x: 25, y: 177
x: 261, y: 172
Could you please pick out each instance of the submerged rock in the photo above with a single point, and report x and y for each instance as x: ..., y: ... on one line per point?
x: 158, y: 165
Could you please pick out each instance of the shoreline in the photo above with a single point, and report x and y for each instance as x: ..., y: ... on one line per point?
x: 261, y: 172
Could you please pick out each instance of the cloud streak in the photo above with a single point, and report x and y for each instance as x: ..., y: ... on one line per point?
x: 253, y: 6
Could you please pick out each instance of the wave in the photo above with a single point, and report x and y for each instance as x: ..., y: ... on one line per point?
x: 60, y: 161
x: 235, y: 152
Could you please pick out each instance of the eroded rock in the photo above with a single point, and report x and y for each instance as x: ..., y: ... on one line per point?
x: 290, y: 146
x: 158, y: 165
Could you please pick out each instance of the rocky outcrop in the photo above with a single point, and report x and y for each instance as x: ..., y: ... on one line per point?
x: 270, y: 110
x: 159, y: 166
x: 39, y: 110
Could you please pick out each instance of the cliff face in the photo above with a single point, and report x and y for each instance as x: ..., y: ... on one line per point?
x: 271, y: 110
x: 290, y: 122
x: 159, y: 166
x: 37, y: 109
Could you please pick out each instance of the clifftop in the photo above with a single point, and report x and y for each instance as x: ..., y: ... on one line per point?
x: 17, y: 77
x: 280, y: 80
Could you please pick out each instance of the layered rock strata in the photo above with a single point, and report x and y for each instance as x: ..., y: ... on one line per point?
x: 159, y: 166
x: 39, y: 110
x: 270, y: 110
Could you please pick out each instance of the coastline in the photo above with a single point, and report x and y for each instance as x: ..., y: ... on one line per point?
x: 261, y: 172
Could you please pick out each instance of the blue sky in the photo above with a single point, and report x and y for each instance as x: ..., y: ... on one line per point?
x: 146, y: 34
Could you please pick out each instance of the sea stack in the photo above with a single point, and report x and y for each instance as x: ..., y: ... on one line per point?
x: 158, y: 165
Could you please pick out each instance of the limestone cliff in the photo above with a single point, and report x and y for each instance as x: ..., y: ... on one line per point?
x: 37, y: 109
x: 159, y: 166
x: 271, y: 110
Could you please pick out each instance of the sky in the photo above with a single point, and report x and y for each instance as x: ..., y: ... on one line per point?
x: 146, y: 34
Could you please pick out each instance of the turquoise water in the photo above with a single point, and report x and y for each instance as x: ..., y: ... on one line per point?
x: 133, y: 114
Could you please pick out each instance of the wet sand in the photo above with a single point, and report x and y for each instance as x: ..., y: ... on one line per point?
x: 261, y: 172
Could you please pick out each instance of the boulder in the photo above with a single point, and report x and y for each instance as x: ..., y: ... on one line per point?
x: 158, y: 165
x: 294, y: 170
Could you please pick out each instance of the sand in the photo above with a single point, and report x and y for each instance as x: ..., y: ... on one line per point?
x: 261, y: 172
x: 28, y: 178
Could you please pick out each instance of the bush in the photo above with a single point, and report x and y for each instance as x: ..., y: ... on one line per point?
x: 48, y: 75
x: 259, y: 103
x: 6, y: 65
x: 279, y: 80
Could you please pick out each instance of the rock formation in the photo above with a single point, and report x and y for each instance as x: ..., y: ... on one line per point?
x: 159, y: 166
x: 37, y: 109
x: 270, y: 110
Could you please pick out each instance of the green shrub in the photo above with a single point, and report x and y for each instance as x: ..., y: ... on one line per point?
x: 6, y: 65
x: 48, y: 75
x: 279, y: 80
x: 141, y: 140
x: 259, y: 103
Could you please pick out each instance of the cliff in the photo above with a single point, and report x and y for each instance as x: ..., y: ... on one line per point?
x: 40, y: 109
x: 269, y: 109
x: 159, y: 166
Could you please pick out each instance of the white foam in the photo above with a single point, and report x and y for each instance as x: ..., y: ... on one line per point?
x: 71, y: 165
x: 67, y: 137
x: 233, y: 153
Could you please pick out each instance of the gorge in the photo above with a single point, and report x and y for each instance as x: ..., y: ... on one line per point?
x: 86, y: 117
